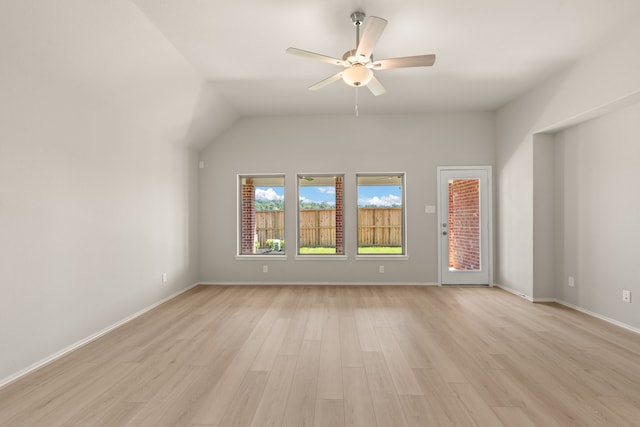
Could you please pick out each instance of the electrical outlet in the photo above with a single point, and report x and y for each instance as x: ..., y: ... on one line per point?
x: 571, y: 282
x: 265, y: 268
x: 626, y: 295
x: 381, y: 269
x: 164, y: 277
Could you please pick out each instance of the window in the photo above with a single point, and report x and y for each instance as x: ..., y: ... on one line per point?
x: 381, y: 214
x: 320, y: 215
x: 261, y: 219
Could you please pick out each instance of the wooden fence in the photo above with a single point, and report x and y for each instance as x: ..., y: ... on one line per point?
x: 317, y: 228
x: 377, y: 227
x: 269, y: 225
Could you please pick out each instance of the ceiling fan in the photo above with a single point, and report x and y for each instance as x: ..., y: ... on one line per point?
x: 358, y: 63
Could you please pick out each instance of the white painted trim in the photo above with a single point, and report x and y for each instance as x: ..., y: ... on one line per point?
x: 490, y: 251
x: 514, y: 292
x: 573, y: 307
x: 41, y: 363
x: 239, y: 204
x: 261, y: 257
x: 318, y: 283
x: 599, y: 316
x: 381, y: 257
x: 327, y: 257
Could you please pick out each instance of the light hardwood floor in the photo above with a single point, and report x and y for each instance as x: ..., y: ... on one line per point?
x: 341, y: 356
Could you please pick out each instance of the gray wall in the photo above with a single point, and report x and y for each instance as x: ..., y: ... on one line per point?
x: 601, y: 82
x: 597, y: 222
x: 97, y: 192
x: 529, y: 168
x: 414, y: 144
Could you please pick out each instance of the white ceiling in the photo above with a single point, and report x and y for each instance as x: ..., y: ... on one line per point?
x: 488, y: 51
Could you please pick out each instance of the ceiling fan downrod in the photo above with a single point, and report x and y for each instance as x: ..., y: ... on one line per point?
x: 357, y: 18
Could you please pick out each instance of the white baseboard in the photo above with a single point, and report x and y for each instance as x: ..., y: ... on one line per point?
x: 599, y: 316
x: 319, y: 284
x: 514, y: 291
x: 41, y: 363
x: 544, y: 300
x: 572, y: 306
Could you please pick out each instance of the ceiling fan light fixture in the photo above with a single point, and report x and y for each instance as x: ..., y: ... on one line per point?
x: 358, y: 64
x: 357, y: 75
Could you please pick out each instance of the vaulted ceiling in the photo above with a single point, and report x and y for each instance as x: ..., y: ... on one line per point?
x: 488, y: 51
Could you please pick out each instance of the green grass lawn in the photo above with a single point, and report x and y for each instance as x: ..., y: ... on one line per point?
x: 380, y: 250
x: 317, y: 250
x: 364, y: 250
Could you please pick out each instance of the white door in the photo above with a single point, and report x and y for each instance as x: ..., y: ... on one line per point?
x: 464, y: 225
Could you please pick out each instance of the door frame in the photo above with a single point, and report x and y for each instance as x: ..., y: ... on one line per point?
x: 489, y: 212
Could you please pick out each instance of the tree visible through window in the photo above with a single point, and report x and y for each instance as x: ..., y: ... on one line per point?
x: 381, y: 214
x: 262, y: 215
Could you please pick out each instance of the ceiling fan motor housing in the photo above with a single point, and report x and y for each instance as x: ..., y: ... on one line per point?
x: 351, y: 57
x: 357, y: 18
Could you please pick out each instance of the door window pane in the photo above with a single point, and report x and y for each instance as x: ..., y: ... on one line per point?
x: 464, y: 224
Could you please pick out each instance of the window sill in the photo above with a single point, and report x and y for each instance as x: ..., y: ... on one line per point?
x: 327, y: 257
x: 382, y: 257
x: 261, y: 257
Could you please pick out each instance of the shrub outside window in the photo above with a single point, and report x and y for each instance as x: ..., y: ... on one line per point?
x: 381, y: 224
x: 320, y: 215
x: 261, y: 200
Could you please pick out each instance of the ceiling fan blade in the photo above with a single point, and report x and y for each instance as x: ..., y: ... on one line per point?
x: 376, y: 87
x: 326, y: 81
x: 406, y: 61
x: 373, y: 28
x: 316, y: 56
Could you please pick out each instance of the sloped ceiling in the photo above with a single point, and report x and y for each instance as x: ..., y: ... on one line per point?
x: 103, y: 58
x: 488, y: 51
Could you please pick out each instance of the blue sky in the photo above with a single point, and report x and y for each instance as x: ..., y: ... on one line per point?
x: 377, y: 195
x: 269, y: 193
x: 318, y: 194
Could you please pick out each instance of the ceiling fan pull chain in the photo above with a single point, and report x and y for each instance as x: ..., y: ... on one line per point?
x: 357, y: 112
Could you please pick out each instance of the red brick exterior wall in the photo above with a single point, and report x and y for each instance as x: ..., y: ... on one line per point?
x: 339, y: 215
x: 248, y: 217
x: 464, y: 224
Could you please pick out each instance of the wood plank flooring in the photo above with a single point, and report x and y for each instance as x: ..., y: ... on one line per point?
x: 341, y: 356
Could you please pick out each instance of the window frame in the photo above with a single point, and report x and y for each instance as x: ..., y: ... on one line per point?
x: 391, y: 256
x: 239, y: 216
x: 331, y: 256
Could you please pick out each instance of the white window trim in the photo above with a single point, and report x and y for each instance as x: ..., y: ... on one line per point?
x: 333, y: 257
x: 326, y: 257
x: 248, y: 257
x: 399, y: 257
x: 238, y: 255
x: 381, y: 257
